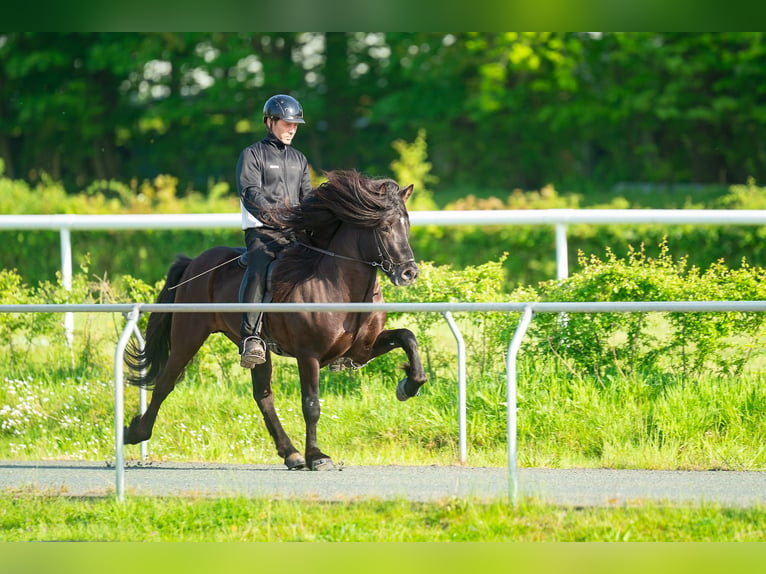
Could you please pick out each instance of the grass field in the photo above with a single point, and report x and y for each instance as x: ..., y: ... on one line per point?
x: 33, y: 517
x: 709, y: 423
x: 712, y: 422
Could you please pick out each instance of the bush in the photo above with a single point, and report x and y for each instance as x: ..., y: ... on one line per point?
x: 640, y: 342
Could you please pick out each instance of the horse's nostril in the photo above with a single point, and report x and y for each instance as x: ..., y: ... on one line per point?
x: 410, y: 274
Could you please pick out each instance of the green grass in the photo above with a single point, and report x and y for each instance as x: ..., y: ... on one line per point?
x: 713, y: 422
x: 30, y: 517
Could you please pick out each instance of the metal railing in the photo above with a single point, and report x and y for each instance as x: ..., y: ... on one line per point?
x: 527, y: 311
x: 559, y: 218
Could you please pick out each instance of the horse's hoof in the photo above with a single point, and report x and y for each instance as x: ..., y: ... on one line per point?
x: 295, y: 462
x: 401, y: 393
x: 130, y: 436
x: 322, y: 464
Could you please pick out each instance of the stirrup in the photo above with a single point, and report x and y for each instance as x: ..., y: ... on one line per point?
x: 253, y: 352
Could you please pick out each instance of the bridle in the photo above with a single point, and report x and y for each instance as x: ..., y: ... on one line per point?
x: 386, y: 262
x: 387, y: 265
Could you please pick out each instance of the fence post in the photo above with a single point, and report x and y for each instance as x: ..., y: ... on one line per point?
x: 119, y: 404
x: 562, y: 254
x: 66, y: 280
x: 461, y: 380
x: 513, y: 351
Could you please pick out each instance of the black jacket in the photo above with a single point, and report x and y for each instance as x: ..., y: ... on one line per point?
x: 271, y: 174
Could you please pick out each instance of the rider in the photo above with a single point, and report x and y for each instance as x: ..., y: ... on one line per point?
x: 270, y: 173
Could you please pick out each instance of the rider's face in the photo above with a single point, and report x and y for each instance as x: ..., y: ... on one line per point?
x: 283, y: 131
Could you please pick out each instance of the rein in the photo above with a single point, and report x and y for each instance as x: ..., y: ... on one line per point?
x: 203, y: 273
x: 386, y: 265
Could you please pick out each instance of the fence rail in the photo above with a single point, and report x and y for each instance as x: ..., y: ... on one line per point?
x: 559, y: 218
x: 527, y: 310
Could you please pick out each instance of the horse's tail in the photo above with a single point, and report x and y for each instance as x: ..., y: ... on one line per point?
x: 147, y: 363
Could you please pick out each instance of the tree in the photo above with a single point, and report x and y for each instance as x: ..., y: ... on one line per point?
x: 501, y: 110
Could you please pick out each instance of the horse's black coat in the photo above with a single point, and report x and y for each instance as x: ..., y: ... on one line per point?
x: 347, y: 227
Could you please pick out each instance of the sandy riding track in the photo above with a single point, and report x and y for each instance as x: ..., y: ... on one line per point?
x: 570, y: 487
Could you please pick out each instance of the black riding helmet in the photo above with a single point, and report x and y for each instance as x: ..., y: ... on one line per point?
x: 282, y: 107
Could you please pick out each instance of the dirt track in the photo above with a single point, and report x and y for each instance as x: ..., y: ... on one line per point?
x: 576, y: 487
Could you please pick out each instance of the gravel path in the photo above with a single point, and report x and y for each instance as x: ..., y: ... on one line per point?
x: 571, y: 487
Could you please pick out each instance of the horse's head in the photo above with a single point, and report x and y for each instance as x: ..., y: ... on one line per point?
x: 393, y: 239
x: 354, y: 217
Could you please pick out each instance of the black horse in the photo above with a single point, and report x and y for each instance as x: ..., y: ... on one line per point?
x: 348, y: 227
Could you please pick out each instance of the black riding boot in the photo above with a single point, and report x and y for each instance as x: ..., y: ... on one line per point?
x: 252, y: 348
x: 263, y: 244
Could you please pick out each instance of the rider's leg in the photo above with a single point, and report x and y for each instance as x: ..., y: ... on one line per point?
x: 252, y: 290
x: 252, y: 348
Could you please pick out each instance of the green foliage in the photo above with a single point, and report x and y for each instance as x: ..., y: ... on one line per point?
x: 18, y: 197
x: 24, y: 331
x: 748, y: 196
x: 639, y: 342
x: 502, y: 109
x: 412, y: 168
x: 37, y: 340
x: 532, y: 246
x: 483, y: 332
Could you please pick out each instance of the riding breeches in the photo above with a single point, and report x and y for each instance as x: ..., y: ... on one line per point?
x: 263, y: 245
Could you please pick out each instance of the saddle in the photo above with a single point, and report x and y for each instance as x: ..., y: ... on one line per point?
x: 242, y: 262
x: 340, y: 364
x: 270, y: 343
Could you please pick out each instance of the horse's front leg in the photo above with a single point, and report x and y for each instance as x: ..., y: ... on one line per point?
x: 308, y: 369
x: 262, y: 393
x: 405, y: 339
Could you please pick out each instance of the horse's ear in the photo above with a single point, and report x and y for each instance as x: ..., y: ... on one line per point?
x: 406, y: 193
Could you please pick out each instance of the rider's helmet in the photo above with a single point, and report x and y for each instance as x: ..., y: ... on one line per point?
x: 282, y: 107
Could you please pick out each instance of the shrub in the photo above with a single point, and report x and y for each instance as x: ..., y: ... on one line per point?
x: 642, y: 342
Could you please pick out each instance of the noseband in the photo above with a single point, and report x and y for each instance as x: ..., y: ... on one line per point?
x: 387, y: 263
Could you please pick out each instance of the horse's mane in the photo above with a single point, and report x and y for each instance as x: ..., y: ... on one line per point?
x: 346, y: 197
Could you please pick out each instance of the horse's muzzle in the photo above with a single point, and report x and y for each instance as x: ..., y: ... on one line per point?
x: 405, y: 274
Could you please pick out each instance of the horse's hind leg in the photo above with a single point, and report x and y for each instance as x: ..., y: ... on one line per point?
x: 264, y: 398
x: 140, y: 428
x: 405, y: 339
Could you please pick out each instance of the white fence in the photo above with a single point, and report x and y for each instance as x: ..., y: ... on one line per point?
x: 559, y: 218
x: 527, y: 310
